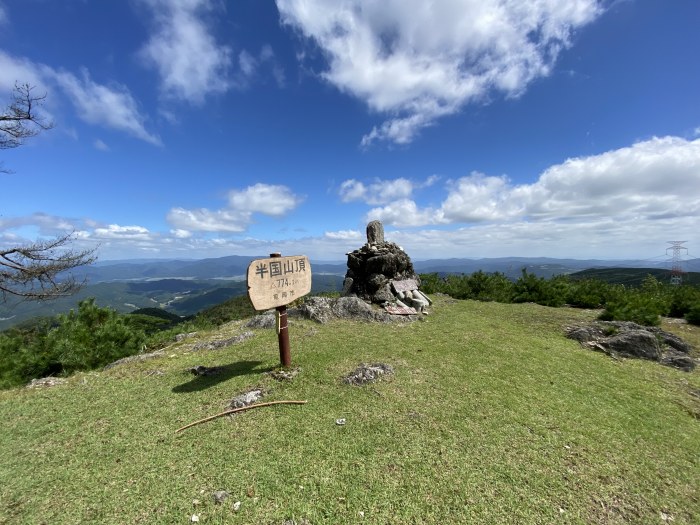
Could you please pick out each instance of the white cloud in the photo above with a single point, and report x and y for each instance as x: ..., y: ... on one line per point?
x: 266, y: 199
x: 115, y: 231
x: 181, y: 234
x: 648, y: 181
x: 479, y: 198
x: 190, y: 62
x: 378, y: 192
x: 47, y: 225
x: 417, y: 61
x: 344, y: 235
x: 100, y: 145
x: 273, y: 200
x: 654, y: 178
x: 205, y: 220
x: 19, y: 70
x: 251, y: 66
x: 95, y: 103
x: 108, y: 106
x: 247, y: 63
x: 402, y: 213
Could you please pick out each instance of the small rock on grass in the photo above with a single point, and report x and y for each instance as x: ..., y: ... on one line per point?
x: 246, y: 398
x: 220, y: 496
x: 364, y: 374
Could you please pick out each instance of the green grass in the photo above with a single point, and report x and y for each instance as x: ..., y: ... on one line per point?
x: 492, y: 416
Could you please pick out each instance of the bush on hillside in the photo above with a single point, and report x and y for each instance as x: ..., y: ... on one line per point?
x: 85, y: 339
x: 693, y: 315
x: 532, y: 289
x: 683, y: 299
x: 591, y: 293
x: 635, y: 306
x: 479, y: 286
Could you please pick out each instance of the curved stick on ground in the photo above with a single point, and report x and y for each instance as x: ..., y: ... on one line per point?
x: 234, y: 410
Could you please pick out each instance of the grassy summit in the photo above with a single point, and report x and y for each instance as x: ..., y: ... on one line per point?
x: 491, y: 416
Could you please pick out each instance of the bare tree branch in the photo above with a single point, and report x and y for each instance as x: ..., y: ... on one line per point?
x: 41, y: 270
x: 21, y: 119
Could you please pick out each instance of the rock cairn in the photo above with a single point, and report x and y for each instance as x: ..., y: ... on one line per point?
x: 382, y: 273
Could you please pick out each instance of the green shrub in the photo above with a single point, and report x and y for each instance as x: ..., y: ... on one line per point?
x: 432, y: 283
x: 635, y: 306
x: 532, y: 289
x: 589, y: 293
x: 85, y: 339
x: 479, y: 286
x: 683, y: 299
x: 693, y: 315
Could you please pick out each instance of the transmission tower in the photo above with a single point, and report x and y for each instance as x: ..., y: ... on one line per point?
x: 675, y: 260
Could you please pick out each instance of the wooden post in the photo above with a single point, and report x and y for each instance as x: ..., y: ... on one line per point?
x: 274, y: 283
x: 282, y: 331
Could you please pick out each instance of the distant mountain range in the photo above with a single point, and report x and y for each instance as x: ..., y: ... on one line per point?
x: 234, y: 267
x: 185, y: 287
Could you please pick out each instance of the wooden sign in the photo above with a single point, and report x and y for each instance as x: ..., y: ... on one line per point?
x: 277, y: 281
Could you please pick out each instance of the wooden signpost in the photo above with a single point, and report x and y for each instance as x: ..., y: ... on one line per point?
x: 274, y: 283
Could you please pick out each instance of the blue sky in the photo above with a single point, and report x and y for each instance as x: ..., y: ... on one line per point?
x: 204, y: 128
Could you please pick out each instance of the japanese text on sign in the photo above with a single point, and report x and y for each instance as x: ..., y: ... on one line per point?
x: 278, y: 281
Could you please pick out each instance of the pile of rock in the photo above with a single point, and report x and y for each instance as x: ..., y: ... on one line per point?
x: 380, y: 272
x: 627, y: 339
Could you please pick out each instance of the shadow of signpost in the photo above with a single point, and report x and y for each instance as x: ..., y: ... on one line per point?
x: 223, y: 373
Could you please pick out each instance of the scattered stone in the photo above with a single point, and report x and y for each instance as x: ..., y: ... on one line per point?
x: 627, y: 339
x: 340, y: 422
x: 678, y: 360
x: 215, y: 345
x: 246, y: 398
x: 156, y: 372
x: 200, y: 370
x: 364, y: 374
x: 284, y: 375
x: 325, y: 309
x: 135, y: 358
x: 194, y: 518
x: 182, y: 337
x: 46, y: 382
x: 237, y: 506
x: 266, y: 320
x: 220, y: 496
